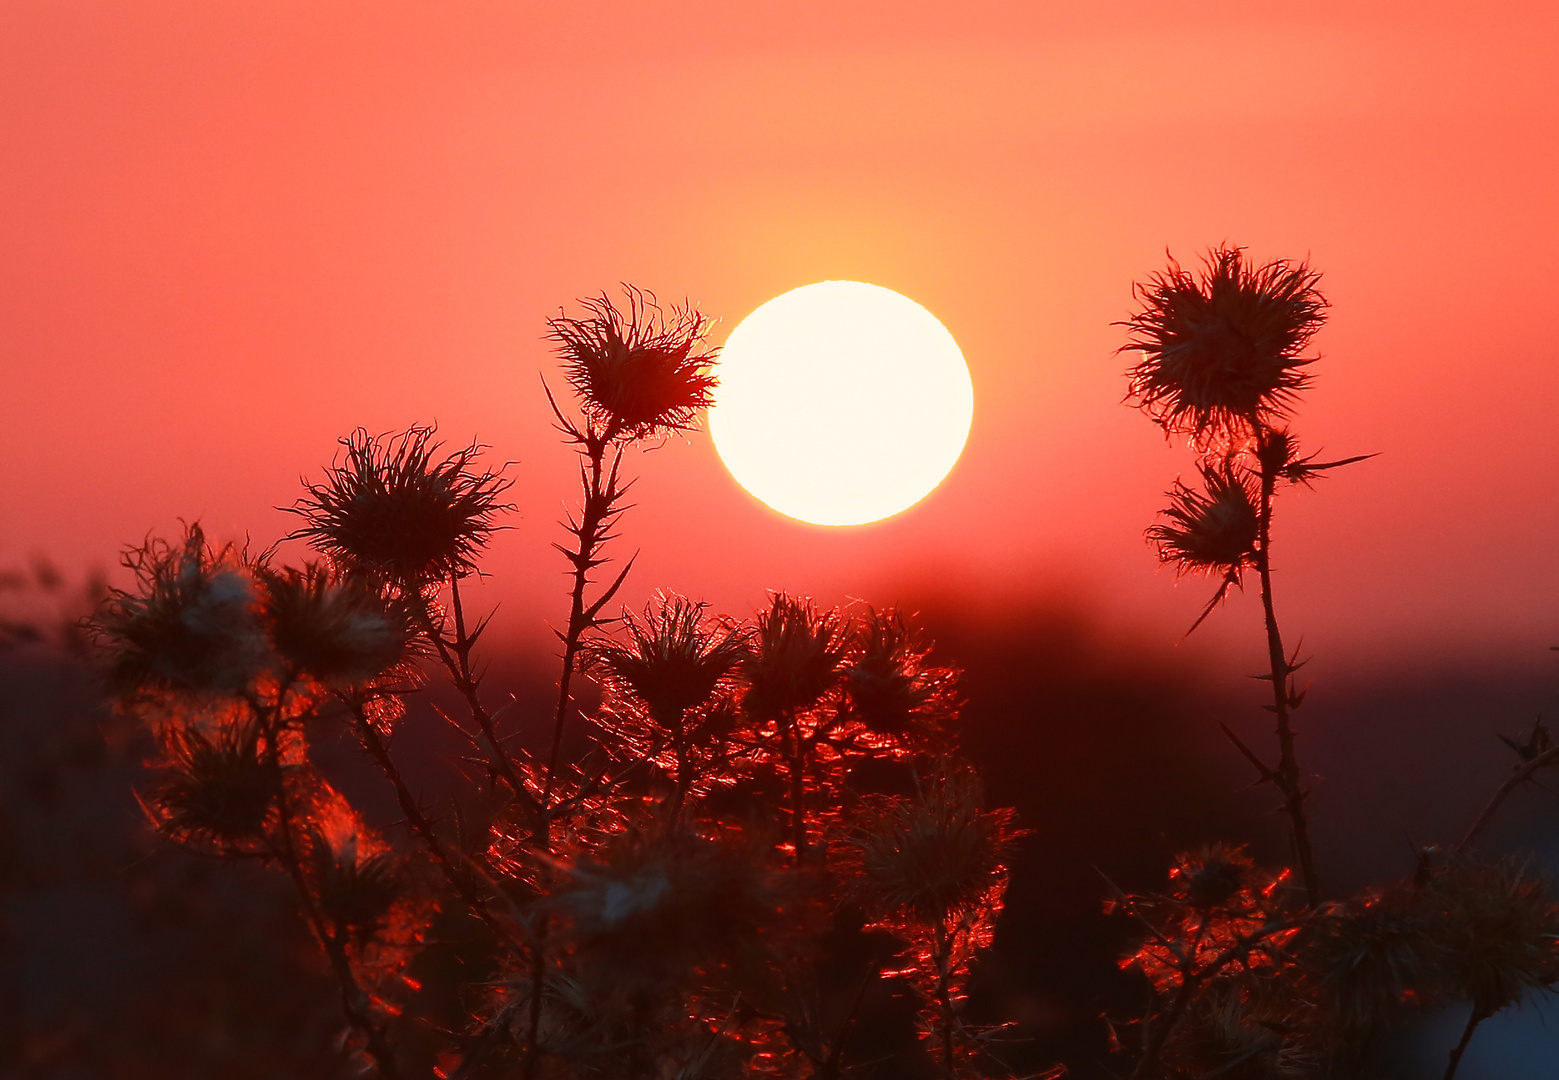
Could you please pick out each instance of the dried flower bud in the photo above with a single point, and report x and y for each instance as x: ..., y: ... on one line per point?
x: 936, y: 855
x: 1499, y: 927
x: 189, y: 625
x: 657, y: 909
x: 1217, y: 876
x: 890, y: 687
x: 1222, y: 355
x: 1375, y: 957
x: 395, y: 510
x: 338, y: 630
x: 356, y: 890
x: 1212, y: 532
x: 639, y: 372
x: 796, y: 658
x: 220, y: 791
x: 673, y: 660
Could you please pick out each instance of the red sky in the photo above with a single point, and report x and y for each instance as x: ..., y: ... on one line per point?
x: 232, y: 232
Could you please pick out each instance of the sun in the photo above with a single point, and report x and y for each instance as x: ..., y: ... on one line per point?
x: 841, y: 403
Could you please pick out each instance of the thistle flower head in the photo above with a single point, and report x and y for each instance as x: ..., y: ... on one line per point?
x: 933, y: 856
x: 1377, y: 956
x: 657, y: 908
x: 1500, y: 931
x: 190, y: 624
x: 219, y: 791
x: 1217, y: 876
x: 396, y: 510
x: 1213, y: 531
x: 639, y: 371
x: 673, y: 660
x: 1223, y: 353
x: 356, y: 889
x: 338, y: 630
x: 890, y: 686
x: 796, y: 657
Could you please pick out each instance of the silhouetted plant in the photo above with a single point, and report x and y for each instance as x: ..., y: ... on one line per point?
x: 1250, y: 975
x: 652, y: 895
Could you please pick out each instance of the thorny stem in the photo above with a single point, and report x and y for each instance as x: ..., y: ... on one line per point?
x: 591, y: 530
x: 798, y: 792
x: 1287, y: 775
x: 456, y: 658
x: 1478, y: 1016
x: 1519, y: 776
x: 942, y: 945
x: 368, y: 735
x: 354, y: 1001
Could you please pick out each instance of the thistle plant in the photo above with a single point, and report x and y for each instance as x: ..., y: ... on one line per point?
x: 655, y: 887
x: 1253, y: 974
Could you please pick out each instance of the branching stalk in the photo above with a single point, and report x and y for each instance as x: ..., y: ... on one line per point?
x: 1286, y: 776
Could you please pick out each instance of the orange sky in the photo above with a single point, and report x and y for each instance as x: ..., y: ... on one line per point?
x: 232, y: 232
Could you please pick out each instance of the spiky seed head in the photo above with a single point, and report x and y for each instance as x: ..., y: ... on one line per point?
x: 356, y: 889
x: 1216, y: 876
x: 190, y: 624
x: 640, y: 370
x: 1212, y: 531
x: 655, y: 908
x: 796, y: 657
x: 1223, y: 353
x: 936, y: 855
x: 1374, y: 957
x: 890, y: 686
x: 1499, y: 928
x: 394, y: 509
x: 219, y: 790
x: 337, y: 629
x: 673, y: 660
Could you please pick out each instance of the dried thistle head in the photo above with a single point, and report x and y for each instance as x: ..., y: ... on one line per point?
x: 1498, y: 923
x: 1216, y: 876
x: 673, y: 660
x: 356, y: 889
x: 1222, y: 353
x: 339, y: 630
x: 394, y: 509
x: 1213, y: 531
x: 937, y: 855
x: 219, y: 791
x: 1375, y: 957
x: 889, y: 684
x: 656, y: 909
x: 796, y: 657
x: 639, y: 371
x: 190, y: 624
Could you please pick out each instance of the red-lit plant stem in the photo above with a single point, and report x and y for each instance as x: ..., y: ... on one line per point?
x: 354, y: 1001
x: 1285, y: 697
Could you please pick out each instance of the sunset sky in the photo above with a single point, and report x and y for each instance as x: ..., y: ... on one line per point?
x: 233, y: 232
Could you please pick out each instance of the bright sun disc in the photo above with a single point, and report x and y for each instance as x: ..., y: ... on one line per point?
x: 841, y: 403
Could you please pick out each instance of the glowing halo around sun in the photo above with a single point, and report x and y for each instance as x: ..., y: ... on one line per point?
x: 841, y: 403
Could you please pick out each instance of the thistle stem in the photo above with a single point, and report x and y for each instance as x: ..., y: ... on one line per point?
x: 1519, y: 776
x: 375, y: 745
x: 456, y: 658
x: 798, y: 792
x: 1287, y: 773
x: 1478, y: 1016
x: 590, y: 531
